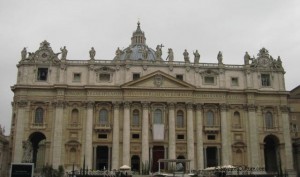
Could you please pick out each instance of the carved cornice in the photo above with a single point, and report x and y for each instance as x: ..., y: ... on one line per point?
x: 22, y: 103
x: 284, y: 109
x: 223, y: 107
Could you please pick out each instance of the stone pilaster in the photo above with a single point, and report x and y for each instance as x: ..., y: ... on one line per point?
x: 116, y: 138
x: 190, y: 136
x: 126, y: 134
x: 88, y: 151
x: 225, y: 136
x: 289, y: 165
x: 145, y: 134
x: 172, y: 134
x: 57, y: 134
x: 18, y: 150
x: 253, y: 136
x: 199, y: 137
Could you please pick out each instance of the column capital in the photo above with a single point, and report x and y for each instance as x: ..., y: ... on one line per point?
x: 189, y: 105
x: 199, y: 106
x: 116, y: 104
x: 59, y: 104
x: 89, y: 104
x: 145, y: 105
x: 284, y: 109
x: 171, y: 105
x: 126, y: 104
x: 22, y: 103
x: 251, y: 107
x: 223, y: 107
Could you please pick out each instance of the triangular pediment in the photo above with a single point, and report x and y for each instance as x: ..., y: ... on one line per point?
x: 158, y: 80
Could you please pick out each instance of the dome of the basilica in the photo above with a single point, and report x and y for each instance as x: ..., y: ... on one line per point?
x: 138, y: 50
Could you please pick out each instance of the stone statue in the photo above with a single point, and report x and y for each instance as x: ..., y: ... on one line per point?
x: 158, y: 52
x: 196, y: 57
x: 186, y: 56
x: 30, y: 55
x: 27, y: 151
x: 92, y: 53
x: 118, y: 53
x: 171, y: 55
x: 128, y: 53
x: 24, y: 53
x: 220, y: 57
x: 279, y: 62
x: 247, y: 58
x: 145, y: 52
x: 64, y: 53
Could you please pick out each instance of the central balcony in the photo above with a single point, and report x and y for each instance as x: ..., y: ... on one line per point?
x: 101, y: 127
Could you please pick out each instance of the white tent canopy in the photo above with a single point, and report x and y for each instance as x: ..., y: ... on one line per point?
x: 125, y: 167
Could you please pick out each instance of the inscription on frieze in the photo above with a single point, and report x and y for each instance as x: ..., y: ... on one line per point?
x: 158, y: 94
x: 104, y: 93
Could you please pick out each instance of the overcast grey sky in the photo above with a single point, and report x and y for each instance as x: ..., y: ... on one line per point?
x: 230, y: 26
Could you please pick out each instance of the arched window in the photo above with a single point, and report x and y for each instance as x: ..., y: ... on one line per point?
x: 103, y: 119
x: 210, y: 118
x: 136, y: 117
x: 236, y: 120
x: 158, y: 117
x: 269, y: 120
x: 74, y: 116
x: 180, y: 119
x: 39, y: 116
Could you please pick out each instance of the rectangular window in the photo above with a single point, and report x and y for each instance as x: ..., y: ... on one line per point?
x: 265, y: 80
x: 179, y: 77
x: 234, y: 81
x: 135, y: 76
x: 104, y: 77
x: 180, y: 137
x: 135, y: 136
x: 42, y: 74
x: 209, y: 80
x: 76, y: 77
x: 102, y: 136
x: 211, y: 137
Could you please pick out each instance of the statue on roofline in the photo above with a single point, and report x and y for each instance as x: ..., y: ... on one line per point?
x: 186, y: 56
x: 24, y: 53
x: 92, y: 53
x: 170, y: 55
x: 196, y: 57
x: 64, y: 53
x: 220, y: 57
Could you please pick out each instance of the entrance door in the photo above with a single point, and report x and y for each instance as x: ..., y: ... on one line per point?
x: 211, y: 157
x: 271, y: 153
x: 158, y: 153
x: 135, y: 163
x: 102, y: 158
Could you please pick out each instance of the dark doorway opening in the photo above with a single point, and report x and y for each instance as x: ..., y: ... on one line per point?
x: 211, y: 156
x: 158, y: 153
x: 102, y: 158
x: 37, y: 140
x: 135, y: 163
x: 271, y: 151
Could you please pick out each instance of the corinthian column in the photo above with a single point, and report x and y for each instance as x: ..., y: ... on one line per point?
x: 116, y: 133
x: 199, y: 127
x: 18, y: 151
x: 172, y: 134
x: 126, y: 134
x: 253, y: 136
x: 57, y: 134
x: 225, y: 136
x: 145, y: 134
x: 190, y: 136
x: 287, y: 139
x: 89, y: 135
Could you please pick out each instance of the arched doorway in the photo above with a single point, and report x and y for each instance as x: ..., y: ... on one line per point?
x: 37, y: 140
x: 272, y: 154
x: 180, y: 166
x: 135, y: 163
